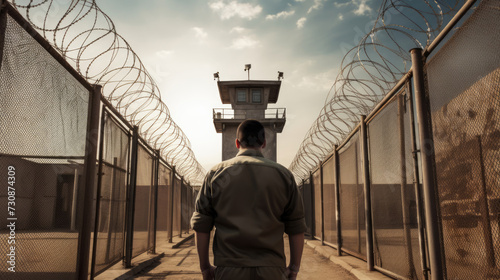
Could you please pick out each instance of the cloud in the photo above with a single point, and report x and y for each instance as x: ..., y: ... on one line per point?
x: 317, y: 5
x: 341, y: 17
x: 237, y: 29
x: 164, y: 53
x: 199, y: 32
x: 244, y: 42
x: 360, y: 6
x: 232, y: 9
x: 340, y: 5
x: 283, y: 14
x: 301, y: 22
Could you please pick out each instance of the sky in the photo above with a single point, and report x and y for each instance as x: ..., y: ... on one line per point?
x: 182, y: 43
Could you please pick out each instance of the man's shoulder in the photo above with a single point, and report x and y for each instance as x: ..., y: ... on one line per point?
x: 249, y: 160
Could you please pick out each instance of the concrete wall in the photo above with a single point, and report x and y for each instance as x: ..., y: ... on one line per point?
x: 36, y: 191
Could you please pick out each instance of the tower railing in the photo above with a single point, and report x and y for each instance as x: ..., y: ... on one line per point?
x: 227, y: 114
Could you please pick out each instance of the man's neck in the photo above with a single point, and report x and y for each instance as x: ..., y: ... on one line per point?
x: 250, y: 149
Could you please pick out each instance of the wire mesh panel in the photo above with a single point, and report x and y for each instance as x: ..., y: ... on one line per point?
x: 318, y: 219
x: 464, y: 83
x: 142, y: 201
x: 184, y: 209
x: 163, y: 218
x: 395, y: 228
x: 111, y: 227
x: 176, y: 227
x: 152, y: 201
x: 352, y: 203
x: 329, y: 201
x: 43, y: 123
x: 308, y: 206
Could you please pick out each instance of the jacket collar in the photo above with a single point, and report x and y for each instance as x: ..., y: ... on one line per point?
x: 250, y: 152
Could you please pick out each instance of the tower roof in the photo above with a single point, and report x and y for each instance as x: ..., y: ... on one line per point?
x: 226, y: 85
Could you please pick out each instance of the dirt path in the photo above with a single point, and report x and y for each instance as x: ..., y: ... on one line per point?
x: 182, y: 264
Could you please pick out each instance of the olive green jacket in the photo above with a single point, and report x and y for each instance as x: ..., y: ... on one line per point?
x: 251, y: 201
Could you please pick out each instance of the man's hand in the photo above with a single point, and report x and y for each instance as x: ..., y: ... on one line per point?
x: 208, y: 273
x: 202, y: 241
x: 291, y: 274
x: 292, y: 271
x: 296, y: 248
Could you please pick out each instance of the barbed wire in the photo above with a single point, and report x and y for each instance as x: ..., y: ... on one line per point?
x: 87, y: 38
x: 369, y: 70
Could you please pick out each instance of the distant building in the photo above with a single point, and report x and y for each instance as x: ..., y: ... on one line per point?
x: 248, y: 99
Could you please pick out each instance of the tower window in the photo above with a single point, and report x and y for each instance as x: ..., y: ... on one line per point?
x: 256, y: 96
x: 241, y: 95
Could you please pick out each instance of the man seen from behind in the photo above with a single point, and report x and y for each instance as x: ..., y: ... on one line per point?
x: 251, y: 201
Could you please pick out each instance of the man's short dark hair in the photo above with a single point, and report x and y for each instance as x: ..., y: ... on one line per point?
x: 251, y: 134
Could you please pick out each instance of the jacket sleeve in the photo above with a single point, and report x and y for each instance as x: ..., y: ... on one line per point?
x: 204, y: 214
x: 293, y: 216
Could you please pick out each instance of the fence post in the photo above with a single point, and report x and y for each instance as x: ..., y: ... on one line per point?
x: 155, y: 201
x: 171, y: 229
x: 337, y: 200
x: 483, y: 208
x: 98, y: 196
x: 89, y: 176
x: 429, y: 183
x: 416, y: 183
x: 182, y: 210
x: 313, y: 209
x: 368, y: 204
x: 3, y: 28
x: 404, y: 205
x: 322, y: 204
x: 131, y: 198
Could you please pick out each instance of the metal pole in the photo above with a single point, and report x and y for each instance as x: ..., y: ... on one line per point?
x: 151, y: 201
x: 432, y: 215
x: 451, y: 24
x: 181, y: 208
x: 89, y: 176
x: 485, y: 213
x: 171, y: 229
x: 337, y: 200
x: 131, y: 199
x: 322, y: 204
x: 155, y: 201
x: 404, y: 205
x: 98, y: 195
x: 313, y: 206
x: 358, y: 204
x: 75, y: 201
x: 368, y: 204
x: 417, y: 187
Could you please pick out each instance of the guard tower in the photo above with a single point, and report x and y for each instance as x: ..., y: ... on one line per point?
x: 249, y: 99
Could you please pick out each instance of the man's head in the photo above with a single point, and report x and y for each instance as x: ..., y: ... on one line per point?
x: 250, y: 135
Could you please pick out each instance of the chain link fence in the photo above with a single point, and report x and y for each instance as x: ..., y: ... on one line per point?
x: 318, y: 219
x: 329, y: 202
x: 163, y: 222
x: 462, y: 86
x: 43, y: 121
x: 113, y: 182
x: 463, y: 79
x: 50, y: 128
x: 394, y: 211
x: 352, y: 213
